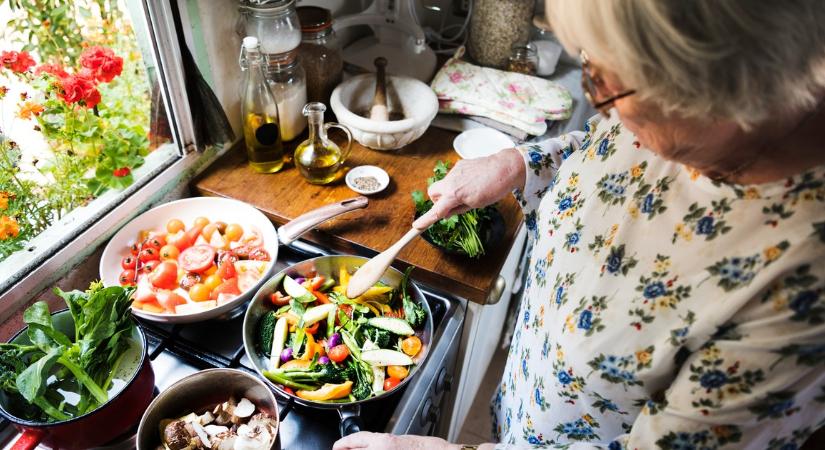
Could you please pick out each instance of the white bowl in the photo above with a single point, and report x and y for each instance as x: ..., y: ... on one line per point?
x: 368, y: 171
x: 412, y: 97
x: 481, y: 142
x: 187, y: 210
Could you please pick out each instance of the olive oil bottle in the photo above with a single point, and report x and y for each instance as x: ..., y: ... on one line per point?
x: 318, y: 158
x: 261, y: 130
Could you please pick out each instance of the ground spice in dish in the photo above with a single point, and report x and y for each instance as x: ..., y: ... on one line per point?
x: 366, y: 183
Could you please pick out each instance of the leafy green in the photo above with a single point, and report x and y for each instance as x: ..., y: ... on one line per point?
x: 85, y: 364
x: 378, y: 336
x: 459, y: 233
x: 413, y: 312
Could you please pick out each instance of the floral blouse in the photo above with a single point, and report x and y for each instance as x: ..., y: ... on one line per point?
x: 663, y: 310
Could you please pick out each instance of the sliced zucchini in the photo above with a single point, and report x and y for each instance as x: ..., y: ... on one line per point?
x: 386, y: 358
x: 296, y: 291
x: 318, y: 313
x: 278, y: 342
x: 393, y: 325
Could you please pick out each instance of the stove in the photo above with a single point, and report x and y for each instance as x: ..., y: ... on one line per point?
x: 180, y: 350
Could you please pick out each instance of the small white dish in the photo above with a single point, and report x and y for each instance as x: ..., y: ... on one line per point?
x: 379, y: 174
x: 481, y: 142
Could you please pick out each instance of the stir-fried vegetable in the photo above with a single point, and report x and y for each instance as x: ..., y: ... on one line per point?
x: 336, y: 348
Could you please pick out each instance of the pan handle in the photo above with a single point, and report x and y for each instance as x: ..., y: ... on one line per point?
x: 29, y: 439
x: 351, y: 421
x: 301, y: 224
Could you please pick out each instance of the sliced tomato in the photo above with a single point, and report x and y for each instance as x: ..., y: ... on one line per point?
x: 390, y: 383
x: 279, y: 299
x: 229, y: 286
x: 259, y: 254
x: 226, y: 270
x: 197, y: 258
x: 189, y: 279
x: 252, y: 238
x: 242, y: 251
x: 165, y: 275
x: 169, y: 300
x: 145, y: 292
x: 185, y: 239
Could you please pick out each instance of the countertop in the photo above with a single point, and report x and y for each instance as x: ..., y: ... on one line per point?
x: 285, y: 195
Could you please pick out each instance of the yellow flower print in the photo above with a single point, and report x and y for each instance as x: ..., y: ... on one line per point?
x: 575, y: 386
x: 752, y: 193
x: 636, y: 171
x: 614, y: 228
x: 662, y: 265
x: 573, y: 181
x: 779, y: 303
x: 591, y: 153
x: 588, y: 418
x: 666, y: 302
x: 772, y: 253
x: 643, y: 356
x: 569, y: 323
x: 634, y: 211
x: 559, y: 353
x: 550, y: 255
x: 569, y: 213
x: 711, y: 353
x: 684, y: 232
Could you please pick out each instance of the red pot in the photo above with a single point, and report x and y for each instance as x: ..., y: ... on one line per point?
x: 96, y: 428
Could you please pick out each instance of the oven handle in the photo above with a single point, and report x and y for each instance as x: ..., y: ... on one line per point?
x: 351, y: 421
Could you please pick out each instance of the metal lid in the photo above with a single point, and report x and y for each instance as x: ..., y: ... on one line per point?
x: 314, y: 18
x: 267, y: 6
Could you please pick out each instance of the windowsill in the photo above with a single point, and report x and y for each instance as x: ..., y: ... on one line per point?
x: 47, y: 243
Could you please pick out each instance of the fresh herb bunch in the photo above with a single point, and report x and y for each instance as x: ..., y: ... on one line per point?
x: 458, y: 233
x: 89, y: 359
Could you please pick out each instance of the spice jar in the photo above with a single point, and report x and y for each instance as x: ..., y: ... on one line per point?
x: 547, y: 46
x: 497, y: 25
x: 287, y: 80
x: 273, y: 22
x: 320, y: 53
x: 523, y: 59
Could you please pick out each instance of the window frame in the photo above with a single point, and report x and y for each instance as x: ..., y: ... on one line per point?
x: 154, y: 188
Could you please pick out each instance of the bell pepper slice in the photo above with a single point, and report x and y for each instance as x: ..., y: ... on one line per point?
x: 327, y: 392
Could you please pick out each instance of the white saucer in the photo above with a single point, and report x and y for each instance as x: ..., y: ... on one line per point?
x: 368, y: 171
x: 481, y: 142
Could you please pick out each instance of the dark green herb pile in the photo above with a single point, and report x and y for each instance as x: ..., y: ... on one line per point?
x: 84, y: 363
x: 460, y: 233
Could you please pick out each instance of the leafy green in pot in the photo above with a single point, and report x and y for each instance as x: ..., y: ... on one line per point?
x: 84, y: 364
x: 460, y: 233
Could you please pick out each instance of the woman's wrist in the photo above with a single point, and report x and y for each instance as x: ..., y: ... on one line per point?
x: 515, y: 171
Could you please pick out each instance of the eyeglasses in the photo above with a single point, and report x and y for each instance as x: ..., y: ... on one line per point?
x: 589, y: 87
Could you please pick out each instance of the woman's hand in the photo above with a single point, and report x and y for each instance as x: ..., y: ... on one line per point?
x: 376, y: 441
x: 474, y: 183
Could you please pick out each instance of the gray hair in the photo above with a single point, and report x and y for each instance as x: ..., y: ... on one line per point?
x: 742, y: 60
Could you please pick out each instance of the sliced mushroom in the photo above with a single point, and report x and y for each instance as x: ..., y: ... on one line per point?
x: 224, y: 441
x: 214, y: 430
x: 253, y: 438
x: 175, y: 435
x: 263, y: 420
x: 245, y: 408
x: 206, y: 418
x: 202, y: 435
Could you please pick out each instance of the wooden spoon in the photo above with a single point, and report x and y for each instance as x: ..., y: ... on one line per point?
x: 369, y: 274
x: 379, y: 110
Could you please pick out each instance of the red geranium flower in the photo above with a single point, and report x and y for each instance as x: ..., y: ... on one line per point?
x: 17, y: 61
x: 53, y: 69
x: 102, y: 62
x: 122, y: 172
x: 79, y: 88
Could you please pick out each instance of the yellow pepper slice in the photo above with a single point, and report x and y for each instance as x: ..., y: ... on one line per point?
x: 310, y: 348
x: 327, y: 392
x: 377, y: 294
x: 343, y: 278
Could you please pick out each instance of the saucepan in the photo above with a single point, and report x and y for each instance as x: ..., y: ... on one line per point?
x: 215, y: 209
x: 209, y: 390
x: 329, y: 267
x: 98, y: 427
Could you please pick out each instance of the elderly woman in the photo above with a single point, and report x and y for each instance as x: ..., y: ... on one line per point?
x: 676, y: 294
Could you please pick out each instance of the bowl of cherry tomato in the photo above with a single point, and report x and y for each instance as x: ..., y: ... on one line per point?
x: 192, y: 259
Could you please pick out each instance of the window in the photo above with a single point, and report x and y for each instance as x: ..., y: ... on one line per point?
x: 83, y: 122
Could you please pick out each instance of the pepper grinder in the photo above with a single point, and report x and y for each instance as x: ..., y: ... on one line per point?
x: 379, y: 110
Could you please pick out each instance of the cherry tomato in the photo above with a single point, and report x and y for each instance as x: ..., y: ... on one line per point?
x: 227, y: 255
x: 199, y: 292
x: 399, y: 372
x: 188, y: 280
x: 242, y: 251
x: 127, y: 278
x: 154, y: 242
x: 169, y: 300
x: 411, y: 345
x: 221, y: 226
x: 288, y: 390
x: 201, y: 222
x: 169, y: 251
x: 148, y: 254
x: 226, y: 270
x: 229, y: 286
x: 233, y: 232
x: 390, y: 383
x: 175, y: 225
x: 148, y: 266
x: 279, y: 299
x: 338, y: 353
x: 212, y: 281
x: 165, y: 275
x: 134, y: 249
x: 209, y: 230
x: 197, y: 258
x: 129, y: 262
x: 186, y: 239
x: 312, y: 329
x: 259, y: 254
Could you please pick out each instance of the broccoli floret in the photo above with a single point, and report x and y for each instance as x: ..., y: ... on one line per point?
x: 266, y: 332
x: 333, y: 373
x: 362, y: 381
x: 378, y: 336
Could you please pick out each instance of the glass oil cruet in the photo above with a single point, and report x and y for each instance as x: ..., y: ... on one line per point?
x: 259, y: 110
x: 318, y: 158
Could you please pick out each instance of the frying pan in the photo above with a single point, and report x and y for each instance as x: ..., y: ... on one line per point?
x: 97, y: 427
x: 204, y: 388
x: 215, y: 208
x: 329, y: 266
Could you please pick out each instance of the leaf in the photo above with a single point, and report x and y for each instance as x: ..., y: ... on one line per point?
x: 31, y: 383
x: 41, y: 332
